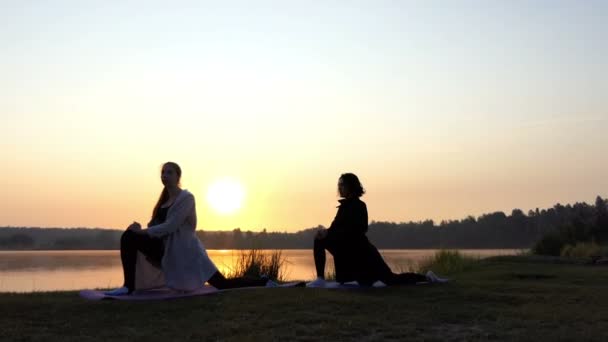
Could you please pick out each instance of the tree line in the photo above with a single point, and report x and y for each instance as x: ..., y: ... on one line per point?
x: 492, y: 230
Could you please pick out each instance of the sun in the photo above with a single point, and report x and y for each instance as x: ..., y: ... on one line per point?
x: 226, y: 196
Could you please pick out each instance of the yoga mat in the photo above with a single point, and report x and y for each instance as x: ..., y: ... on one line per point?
x: 355, y: 285
x: 351, y: 285
x: 292, y: 284
x: 166, y: 293
x: 156, y: 294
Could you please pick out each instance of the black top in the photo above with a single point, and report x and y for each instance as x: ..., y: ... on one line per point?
x: 355, y: 258
x: 161, y: 215
x: 350, y: 221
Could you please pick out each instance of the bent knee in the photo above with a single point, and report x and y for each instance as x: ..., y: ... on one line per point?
x: 127, y: 235
x: 320, y: 243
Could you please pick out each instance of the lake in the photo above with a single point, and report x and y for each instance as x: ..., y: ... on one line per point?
x: 28, y: 271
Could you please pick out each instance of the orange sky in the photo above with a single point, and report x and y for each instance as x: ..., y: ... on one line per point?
x: 443, y: 111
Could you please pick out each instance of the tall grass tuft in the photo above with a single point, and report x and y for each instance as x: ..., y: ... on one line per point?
x: 406, y: 266
x: 254, y: 263
x: 582, y: 250
x: 447, y: 262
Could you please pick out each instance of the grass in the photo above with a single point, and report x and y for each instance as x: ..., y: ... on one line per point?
x: 254, y: 262
x: 516, y: 298
x: 584, y: 250
x: 443, y: 262
x: 447, y: 262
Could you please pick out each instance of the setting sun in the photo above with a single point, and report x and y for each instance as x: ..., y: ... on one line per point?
x: 225, y: 196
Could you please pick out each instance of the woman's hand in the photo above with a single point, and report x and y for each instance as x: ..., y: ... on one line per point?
x: 134, y: 226
x: 321, y: 234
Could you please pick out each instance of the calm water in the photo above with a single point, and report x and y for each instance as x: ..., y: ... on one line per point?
x: 29, y: 271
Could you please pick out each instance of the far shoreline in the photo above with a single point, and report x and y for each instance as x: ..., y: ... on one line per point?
x: 278, y: 249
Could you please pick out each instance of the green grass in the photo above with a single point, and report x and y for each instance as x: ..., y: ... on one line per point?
x: 253, y: 263
x: 584, y: 250
x: 447, y: 262
x: 517, y: 298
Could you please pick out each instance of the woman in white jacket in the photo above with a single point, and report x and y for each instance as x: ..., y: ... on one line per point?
x: 168, y: 253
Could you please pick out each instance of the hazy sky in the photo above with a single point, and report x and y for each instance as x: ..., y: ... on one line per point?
x: 443, y: 108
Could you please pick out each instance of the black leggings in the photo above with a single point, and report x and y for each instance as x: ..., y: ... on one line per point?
x: 153, y: 248
x: 319, y: 254
x: 387, y: 277
x: 220, y: 282
x: 133, y: 241
x: 404, y: 278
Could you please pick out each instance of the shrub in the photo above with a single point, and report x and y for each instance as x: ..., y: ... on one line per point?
x: 550, y: 244
x: 254, y: 263
x: 581, y: 250
x: 447, y: 262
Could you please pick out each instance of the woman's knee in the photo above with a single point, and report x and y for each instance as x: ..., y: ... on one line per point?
x: 217, y: 280
x: 127, y: 236
x: 319, y: 243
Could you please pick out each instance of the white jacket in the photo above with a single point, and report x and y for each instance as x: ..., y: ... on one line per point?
x: 185, y: 264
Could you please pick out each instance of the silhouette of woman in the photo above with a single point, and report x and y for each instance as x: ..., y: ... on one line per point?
x: 355, y: 258
x: 168, y: 253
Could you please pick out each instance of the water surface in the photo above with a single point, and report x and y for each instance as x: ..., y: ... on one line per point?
x: 27, y: 271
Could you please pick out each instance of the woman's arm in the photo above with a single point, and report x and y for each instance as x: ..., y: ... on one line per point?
x: 175, y: 218
x: 360, y: 222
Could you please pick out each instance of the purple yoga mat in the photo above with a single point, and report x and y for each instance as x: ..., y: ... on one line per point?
x: 355, y: 285
x: 156, y: 294
x: 350, y: 285
x: 166, y: 293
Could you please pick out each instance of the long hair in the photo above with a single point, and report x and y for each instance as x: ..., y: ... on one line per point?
x: 164, y: 195
x: 352, y: 183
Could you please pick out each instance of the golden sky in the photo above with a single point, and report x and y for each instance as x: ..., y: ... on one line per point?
x: 442, y: 110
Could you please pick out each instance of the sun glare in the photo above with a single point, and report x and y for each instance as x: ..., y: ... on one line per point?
x: 225, y: 196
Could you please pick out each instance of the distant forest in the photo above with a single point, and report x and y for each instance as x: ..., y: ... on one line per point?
x: 493, y: 230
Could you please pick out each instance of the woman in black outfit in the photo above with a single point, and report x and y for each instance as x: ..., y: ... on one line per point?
x: 355, y: 258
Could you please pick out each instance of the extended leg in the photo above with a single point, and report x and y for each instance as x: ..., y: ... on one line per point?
x: 220, y: 282
x: 404, y: 279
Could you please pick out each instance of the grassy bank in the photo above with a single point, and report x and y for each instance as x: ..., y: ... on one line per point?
x: 504, y: 298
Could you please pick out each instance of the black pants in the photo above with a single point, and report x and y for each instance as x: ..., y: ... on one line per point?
x: 319, y: 254
x: 130, y: 243
x: 153, y: 248
x: 403, y: 278
x: 383, y: 273
x: 220, y: 282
